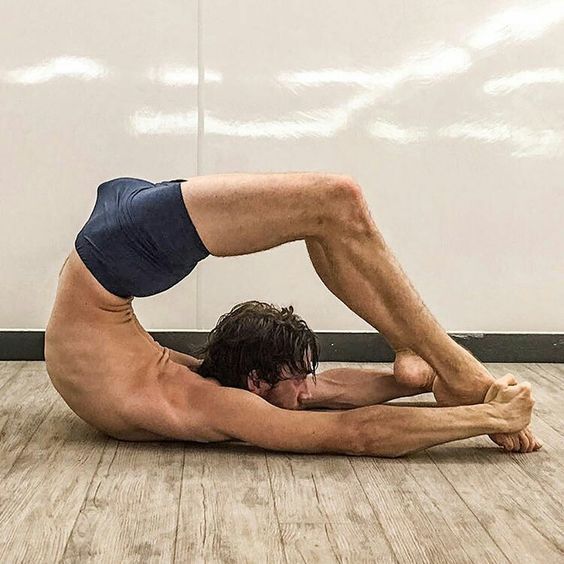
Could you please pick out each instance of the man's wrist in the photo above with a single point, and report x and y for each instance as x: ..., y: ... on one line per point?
x: 489, y: 417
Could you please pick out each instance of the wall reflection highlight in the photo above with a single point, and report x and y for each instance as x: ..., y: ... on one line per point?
x: 527, y: 142
x: 518, y: 24
x: 181, y: 75
x: 506, y: 84
x: 82, y: 68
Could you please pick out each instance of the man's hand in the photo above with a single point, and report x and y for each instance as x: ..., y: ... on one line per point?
x: 514, y: 403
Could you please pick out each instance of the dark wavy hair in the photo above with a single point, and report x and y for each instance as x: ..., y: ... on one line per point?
x: 257, y: 336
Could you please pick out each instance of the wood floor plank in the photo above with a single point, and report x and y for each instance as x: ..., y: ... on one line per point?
x: 552, y: 371
x: 332, y: 542
x: 70, y: 494
x: 9, y: 369
x: 538, y: 474
x: 408, y: 498
x: 130, y: 511
x: 421, y: 512
x: 523, y: 518
x: 314, y: 542
x: 227, y: 512
x: 27, y: 398
x: 516, y: 496
x: 546, y: 466
x: 44, y: 489
x: 324, y: 490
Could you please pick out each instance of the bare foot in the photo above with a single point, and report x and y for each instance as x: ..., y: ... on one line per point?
x: 472, y: 390
x: 463, y: 386
x: 450, y: 395
x: 411, y: 370
x: 467, y: 382
x: 469, y: 388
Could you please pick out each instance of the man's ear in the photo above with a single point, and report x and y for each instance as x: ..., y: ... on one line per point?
x: 256, y: 385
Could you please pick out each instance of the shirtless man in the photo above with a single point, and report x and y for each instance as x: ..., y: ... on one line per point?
x: 142, y: 238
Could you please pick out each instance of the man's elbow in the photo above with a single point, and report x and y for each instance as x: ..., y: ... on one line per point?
x: 379, y: 449
x: 375, y: 436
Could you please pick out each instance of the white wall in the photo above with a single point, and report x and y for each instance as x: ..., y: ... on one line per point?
x: 449, y: 114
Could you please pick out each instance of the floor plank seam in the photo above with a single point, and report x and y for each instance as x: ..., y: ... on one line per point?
x: 543, y: 535
x: 28, y: 441
x: 329, y: 538
x: 83, y: 505
x: 205, y: 515
x: 315, y: 489
x: 388, y: 541
x: 12, y: 377
x: 266, y: 457
x: 117, y: 444
x: 548, y: 424
x: 179, y: 502
x: 469, y: 508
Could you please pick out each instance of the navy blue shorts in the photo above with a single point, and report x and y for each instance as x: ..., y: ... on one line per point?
x: 139, y: 239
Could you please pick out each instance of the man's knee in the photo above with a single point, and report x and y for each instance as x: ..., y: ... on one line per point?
x: 349, y: 208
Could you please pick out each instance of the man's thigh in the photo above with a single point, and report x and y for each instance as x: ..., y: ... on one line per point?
x: 241, y: 213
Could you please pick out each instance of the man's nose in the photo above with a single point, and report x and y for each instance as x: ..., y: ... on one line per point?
x: 304, y: 388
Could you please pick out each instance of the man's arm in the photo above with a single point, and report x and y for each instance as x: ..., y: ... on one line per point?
x: 346, y: 388
x: 211, y: 413
x: 393, y: 431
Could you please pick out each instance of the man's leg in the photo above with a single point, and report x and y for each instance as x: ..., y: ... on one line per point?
x: 454, y: 386
x: 409, y: 368
x: 244, y: 213
x: 366, y: 277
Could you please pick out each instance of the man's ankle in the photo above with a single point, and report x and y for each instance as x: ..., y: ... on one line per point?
x: 457, y: 361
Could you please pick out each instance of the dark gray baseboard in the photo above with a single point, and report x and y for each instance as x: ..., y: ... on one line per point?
x: 336, y: 346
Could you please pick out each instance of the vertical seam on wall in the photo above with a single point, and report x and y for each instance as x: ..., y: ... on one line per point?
x: 200, y: 134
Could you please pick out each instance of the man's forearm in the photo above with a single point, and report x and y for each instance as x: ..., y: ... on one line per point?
x: 387, y: 430
x: 346, y: 388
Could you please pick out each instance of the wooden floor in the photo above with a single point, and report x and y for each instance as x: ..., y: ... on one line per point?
x: 70, y: 494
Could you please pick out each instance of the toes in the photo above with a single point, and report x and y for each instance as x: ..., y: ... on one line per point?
x: 531, y: 440
x: 524, y: 440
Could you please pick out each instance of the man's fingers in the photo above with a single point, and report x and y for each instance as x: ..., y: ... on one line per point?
x: 502, y: 440
x: 507, y: 380
x: 532, y: 442
x: 507, y: 442
x: 524, y: 441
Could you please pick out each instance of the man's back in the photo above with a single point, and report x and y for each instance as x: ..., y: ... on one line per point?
x: 107, y: 368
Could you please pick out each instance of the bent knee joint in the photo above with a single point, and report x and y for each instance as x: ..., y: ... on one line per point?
x: 349, y: 209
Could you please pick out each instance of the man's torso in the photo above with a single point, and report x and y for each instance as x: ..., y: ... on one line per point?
x: 106, y: 367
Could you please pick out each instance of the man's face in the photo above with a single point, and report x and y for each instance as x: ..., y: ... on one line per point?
x: 286, y: 393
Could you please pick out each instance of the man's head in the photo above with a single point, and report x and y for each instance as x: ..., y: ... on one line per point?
x: 264, y: 349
